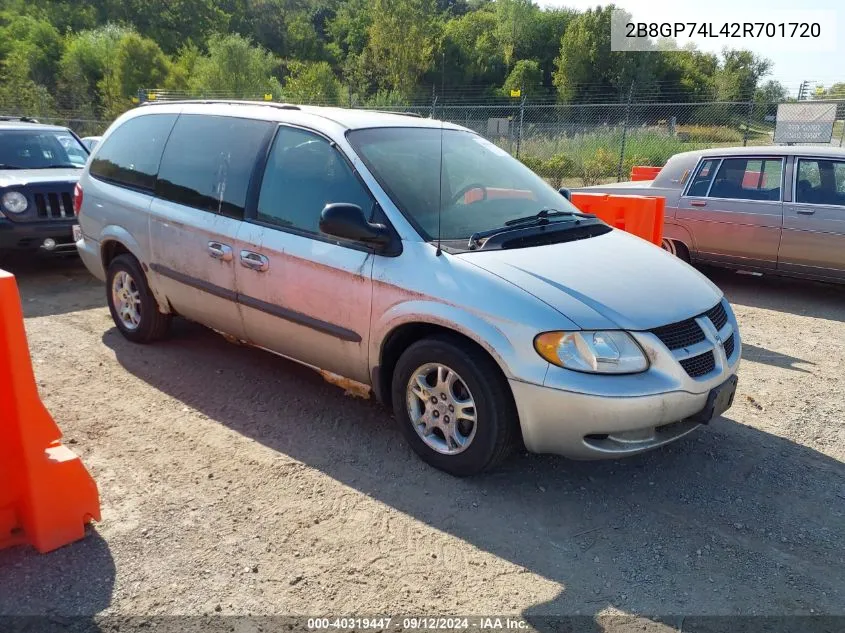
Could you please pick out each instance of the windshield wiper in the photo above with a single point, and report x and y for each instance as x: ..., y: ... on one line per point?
x: 542, y: 218
x: 59, y: 166
x: 4, y: 166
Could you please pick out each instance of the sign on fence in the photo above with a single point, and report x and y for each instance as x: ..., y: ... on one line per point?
x: 805, y: 122
x: 498, y: 127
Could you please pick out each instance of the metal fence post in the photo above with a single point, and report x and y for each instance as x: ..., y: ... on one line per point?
x: 748, y: 123
x: 521, y: 119
x: 842, y: 134
x: 625, y: 133
x: 433, y: 101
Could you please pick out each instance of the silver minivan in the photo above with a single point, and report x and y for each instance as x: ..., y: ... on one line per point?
x: 414, y: 258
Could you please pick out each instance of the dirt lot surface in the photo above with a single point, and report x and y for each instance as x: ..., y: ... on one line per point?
x: 235, y: 482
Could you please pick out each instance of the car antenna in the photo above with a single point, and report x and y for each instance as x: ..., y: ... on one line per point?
x: 439, y: 251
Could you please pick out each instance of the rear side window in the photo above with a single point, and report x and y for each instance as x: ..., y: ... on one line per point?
x: 702, y: 179
x: 820, y: 182
x: 131, y: 154
x: 209, y: 161
x: 748, y: 179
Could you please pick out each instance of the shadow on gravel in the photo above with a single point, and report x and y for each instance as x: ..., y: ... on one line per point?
x: 54, y: 285
x: 795, y: 296
x: 66, y: 586
x: 730, y: 520
x: 775, y: 359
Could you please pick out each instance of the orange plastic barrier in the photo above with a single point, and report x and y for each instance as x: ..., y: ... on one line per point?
x: 644, y: 172
x: 752, y: 180
x: 46, y: 495
x: 491, y: 193
x: 640, y: 215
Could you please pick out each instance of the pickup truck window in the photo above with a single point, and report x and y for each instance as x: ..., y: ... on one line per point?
x: 820, y: 182
x: 748, y: 179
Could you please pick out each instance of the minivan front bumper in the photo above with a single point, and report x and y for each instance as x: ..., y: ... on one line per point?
x: 587, y: 426
x: 594, y: 416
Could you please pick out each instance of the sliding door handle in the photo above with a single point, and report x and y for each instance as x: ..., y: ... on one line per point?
x: 255, y: 261
x: 221, y: 251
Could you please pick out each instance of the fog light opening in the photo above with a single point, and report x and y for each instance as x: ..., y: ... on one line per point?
x: 49, y: 244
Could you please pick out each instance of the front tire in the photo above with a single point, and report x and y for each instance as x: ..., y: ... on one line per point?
x: 133, y: 307
x: 454, y: 406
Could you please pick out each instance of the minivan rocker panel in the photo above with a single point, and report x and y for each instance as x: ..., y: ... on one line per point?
x: 595, y: 344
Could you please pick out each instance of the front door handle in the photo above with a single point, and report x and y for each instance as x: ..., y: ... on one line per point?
x: 221, y: 251
x: 800, y: 211
x: 698, y: 203
x: 255, y: 261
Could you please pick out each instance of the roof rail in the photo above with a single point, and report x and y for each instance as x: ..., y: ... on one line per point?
x: 269, y: 104
x: 22, y: 119
x: 413, y: 114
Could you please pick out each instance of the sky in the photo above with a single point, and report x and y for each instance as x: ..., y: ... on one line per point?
x: 792, y: 62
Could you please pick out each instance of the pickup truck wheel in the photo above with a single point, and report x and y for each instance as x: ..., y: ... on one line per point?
x: 132, y: 305
x: 453, y: 406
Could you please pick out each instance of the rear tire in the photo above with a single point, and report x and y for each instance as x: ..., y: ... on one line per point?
x: 473, y: 424
x: 131, y: 303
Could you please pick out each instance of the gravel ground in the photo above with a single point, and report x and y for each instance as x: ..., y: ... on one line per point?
x: 235, y: 482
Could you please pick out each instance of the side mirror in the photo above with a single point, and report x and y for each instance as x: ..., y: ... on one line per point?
x: 348, y: 222
x: 565, y: 193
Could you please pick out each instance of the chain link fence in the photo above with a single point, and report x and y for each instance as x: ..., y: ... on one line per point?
x: 568, y: 144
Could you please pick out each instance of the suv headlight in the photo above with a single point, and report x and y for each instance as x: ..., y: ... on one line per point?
x: 598, y: 352
x: 14, y: 202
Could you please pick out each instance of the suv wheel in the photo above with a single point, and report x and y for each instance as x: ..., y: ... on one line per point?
x: 132, y: 305
x: 453, y: 406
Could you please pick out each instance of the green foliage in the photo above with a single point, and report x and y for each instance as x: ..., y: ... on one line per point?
x: 92, y: 56
x: 403, y: 37
x: 312, y: 82
x: 138, y: 62
x: 526, y: 76
x: 473, y: 52
x: 234, y: 66
x: 740, y: 72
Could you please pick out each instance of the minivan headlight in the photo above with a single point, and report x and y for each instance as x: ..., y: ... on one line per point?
x: 597, y: 352
x: 14, y: 202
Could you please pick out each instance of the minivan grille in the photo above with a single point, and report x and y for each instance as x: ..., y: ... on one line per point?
x: 679, y: 335
x: 700, y: 365
x: 717, y: 315
x: 729, y: 346
x: 684, y: 334
x: 54, y: 205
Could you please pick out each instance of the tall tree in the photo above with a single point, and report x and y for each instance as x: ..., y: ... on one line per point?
x: 235, y: 67
x: 739, y: 74
x: 403, y: 37
x: 514, y: 27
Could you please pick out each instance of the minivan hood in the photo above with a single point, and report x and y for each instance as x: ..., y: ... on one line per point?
x: 24, y: 177
x: 611, y: 281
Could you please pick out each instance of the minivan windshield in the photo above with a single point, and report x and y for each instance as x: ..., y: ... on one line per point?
x: 40, y: 149
x: 483, y: 186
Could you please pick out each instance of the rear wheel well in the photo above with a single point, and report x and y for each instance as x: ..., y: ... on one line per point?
x: 110, y: 250
x: 401, y: 339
